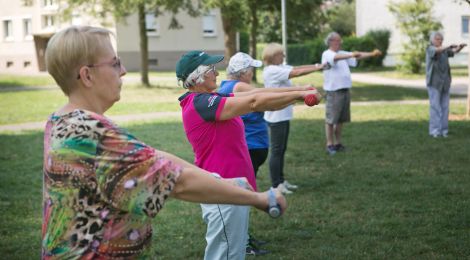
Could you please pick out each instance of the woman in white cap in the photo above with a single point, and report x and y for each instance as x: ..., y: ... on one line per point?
x: 239, y: 78
x: 215, y: 130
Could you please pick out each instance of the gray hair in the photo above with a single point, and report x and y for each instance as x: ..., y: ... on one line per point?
x: 433, y: 35
x: 330, y: 36
x: 196, y: 77
x: 237, y: 75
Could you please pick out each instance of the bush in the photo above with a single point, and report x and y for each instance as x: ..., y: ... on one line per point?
x: 381, y: 39
x: 311, y: 51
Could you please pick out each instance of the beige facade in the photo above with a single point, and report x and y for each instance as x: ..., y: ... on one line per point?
x: 167, y: 45
x: 374, y: 14
x: 26, y: 28
x: 27, y: 25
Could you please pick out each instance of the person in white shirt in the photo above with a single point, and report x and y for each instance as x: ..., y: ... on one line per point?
x: 277, y: 75
x: 337, y: 82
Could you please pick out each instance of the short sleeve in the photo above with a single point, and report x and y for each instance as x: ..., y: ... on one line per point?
x: 209, y: 105
x: 275, y: 74
x: 431, y: 52
x: 328, y: 56
x: 132, y: 176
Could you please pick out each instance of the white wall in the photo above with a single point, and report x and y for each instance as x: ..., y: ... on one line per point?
x: 374, y: 14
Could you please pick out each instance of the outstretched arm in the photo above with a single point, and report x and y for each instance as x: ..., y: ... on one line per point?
x: 244, y: 89
x: 304, y: 70
x: 197, y: 185
x: 364, y: 55
x: 262, y: 101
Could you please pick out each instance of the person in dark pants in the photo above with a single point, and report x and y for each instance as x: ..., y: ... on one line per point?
x: 277, y: 75
x: 239, y: 74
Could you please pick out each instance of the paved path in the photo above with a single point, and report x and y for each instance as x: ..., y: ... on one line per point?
x: 177, y: 114
x: 459, y: 87
x: 459, y: 84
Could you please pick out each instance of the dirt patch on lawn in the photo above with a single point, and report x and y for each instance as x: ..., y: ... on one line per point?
x: 454, y: 117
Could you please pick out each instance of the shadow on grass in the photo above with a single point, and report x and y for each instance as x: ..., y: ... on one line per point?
x: 394, y: 193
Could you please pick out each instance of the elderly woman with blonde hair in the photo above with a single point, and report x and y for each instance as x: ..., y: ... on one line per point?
x: 103, y: 186
x: 276, y: 75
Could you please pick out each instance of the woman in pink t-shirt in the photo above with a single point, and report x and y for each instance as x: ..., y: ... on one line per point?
x: 215, y: 130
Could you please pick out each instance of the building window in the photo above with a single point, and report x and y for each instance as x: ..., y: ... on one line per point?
x: 27, y: 29
x: 151, y: 24
x: 48, y: 21
x: 26, y: 64
x: 46, y: 3
x: 27, y: 2
x: 209, y: 24
x: 465, y: 28
x: 9, y: 64
x: 8, y: 30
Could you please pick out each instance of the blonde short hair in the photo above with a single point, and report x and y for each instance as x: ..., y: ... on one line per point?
x: 270, y: 51
x: 72, y: 48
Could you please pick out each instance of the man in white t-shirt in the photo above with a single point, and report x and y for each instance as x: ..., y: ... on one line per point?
x: 337, y: 82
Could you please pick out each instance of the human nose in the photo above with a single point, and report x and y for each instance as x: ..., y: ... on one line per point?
x: 123, y: 70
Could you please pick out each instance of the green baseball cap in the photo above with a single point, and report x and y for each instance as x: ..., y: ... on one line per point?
x: 191, y: 60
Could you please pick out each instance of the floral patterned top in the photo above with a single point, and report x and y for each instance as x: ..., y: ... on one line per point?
x: 102, y: 186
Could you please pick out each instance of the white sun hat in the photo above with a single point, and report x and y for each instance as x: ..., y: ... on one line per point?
x: 241, y: 61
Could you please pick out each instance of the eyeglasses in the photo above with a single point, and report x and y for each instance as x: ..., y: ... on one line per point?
x: 211, y: 69
x: 115, y: 63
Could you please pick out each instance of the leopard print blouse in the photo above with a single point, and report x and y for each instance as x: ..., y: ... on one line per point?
x: 102, y: 186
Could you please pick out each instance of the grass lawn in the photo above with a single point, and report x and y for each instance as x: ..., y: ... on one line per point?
x: 395, y: 192
x: 28, y: 104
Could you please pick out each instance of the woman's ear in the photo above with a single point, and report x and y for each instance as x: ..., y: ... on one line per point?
x: 85, y: 76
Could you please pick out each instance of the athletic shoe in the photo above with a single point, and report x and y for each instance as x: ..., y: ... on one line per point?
x: 255, y: 251
x: 255, y: 243
x: 340, y: 147
x: 283, y: 189
x: 290, y: 186
x: 330, y: 149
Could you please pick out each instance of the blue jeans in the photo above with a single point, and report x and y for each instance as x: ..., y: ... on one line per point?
x: 227, y: 229
x: 438, y: 111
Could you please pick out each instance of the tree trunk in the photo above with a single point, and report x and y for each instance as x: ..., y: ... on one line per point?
x: 230, y: 35
x: 144, y: 52
x: 468, y: 87
x: 253, y: 33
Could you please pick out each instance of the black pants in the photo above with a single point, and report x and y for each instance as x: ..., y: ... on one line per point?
x: 278, y: 136
x: 258, y: 157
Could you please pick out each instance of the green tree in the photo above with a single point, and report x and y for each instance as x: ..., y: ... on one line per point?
x: 304, y: 20
x: 415, y: 20
x: 342, y: 18
x: 121, y: 9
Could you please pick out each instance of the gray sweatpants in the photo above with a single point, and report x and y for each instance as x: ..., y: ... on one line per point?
x: 438, y: 111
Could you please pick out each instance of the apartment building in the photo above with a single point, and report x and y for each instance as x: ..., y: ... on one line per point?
x: 27, y: 25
